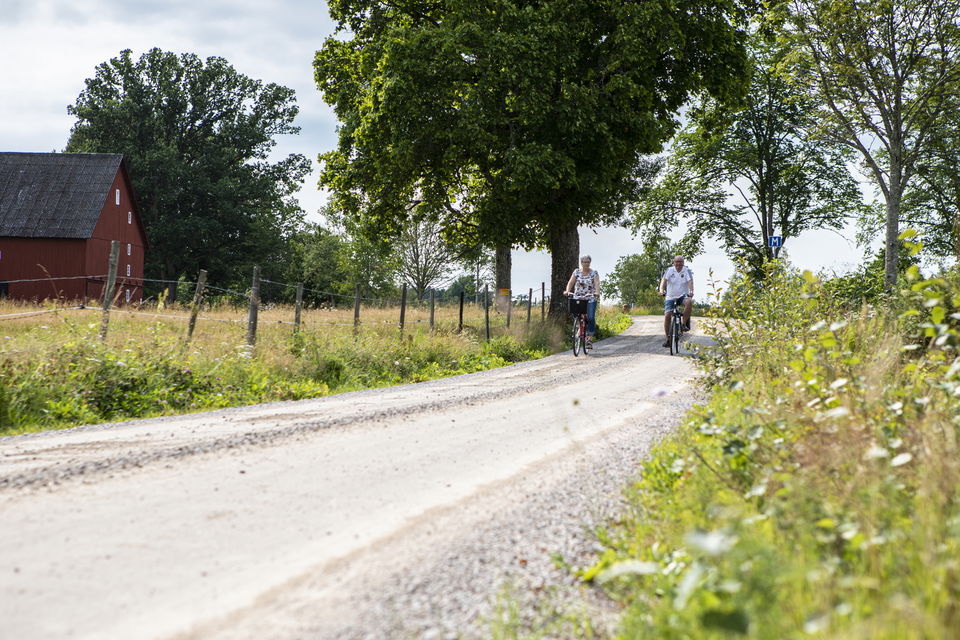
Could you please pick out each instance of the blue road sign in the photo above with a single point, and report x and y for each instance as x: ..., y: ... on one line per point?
x: 775, y: 241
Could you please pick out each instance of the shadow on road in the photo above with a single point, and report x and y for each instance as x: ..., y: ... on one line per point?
x: 640, y: 339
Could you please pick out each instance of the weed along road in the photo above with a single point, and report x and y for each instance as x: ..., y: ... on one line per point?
x: 310, y: 518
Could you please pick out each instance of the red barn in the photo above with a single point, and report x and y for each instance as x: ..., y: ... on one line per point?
x: 59, y: 213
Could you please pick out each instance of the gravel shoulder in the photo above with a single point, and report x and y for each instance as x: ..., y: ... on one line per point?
x: 398, y: 512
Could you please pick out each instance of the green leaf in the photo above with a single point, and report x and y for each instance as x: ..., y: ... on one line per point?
x: 734, y: 621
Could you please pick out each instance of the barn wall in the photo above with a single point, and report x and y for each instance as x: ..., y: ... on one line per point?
x: 33, y: 258
x: 118, y: 222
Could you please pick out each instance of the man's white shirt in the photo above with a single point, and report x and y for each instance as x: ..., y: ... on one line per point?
x: 677, y: 281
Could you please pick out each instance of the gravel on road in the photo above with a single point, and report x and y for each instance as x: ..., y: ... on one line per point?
x: 392, y: 513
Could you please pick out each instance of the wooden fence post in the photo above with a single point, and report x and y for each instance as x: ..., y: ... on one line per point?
x: 529, y: 304
x: 432, y: 302
x: 197, y: 300
x: 108, y: 290
x: 509, y: 306
x: 298, y: 308
x: 543, y: 301
x: 254, y: 307
x: 460, y: 326
x: 403, y: 307
x: 356, y: 310
x: 486, y: 309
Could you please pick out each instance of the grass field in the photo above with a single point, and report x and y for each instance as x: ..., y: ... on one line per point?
x: 55, y: 372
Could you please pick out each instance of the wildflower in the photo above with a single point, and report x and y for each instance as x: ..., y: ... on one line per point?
x: 901, y: 459
x: 875, y: 452
x: 712, y: 543
x: 837, y: 412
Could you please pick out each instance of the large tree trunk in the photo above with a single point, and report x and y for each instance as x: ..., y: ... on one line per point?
x: 892, y: 244
x: 564, y: 254
x: 171, y: 285
x: 503, y: 267
x: 478, y: 287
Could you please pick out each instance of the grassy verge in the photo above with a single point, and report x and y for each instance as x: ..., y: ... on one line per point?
x: 817, y: 493
x: 611, y: 322
x: 55, y: 373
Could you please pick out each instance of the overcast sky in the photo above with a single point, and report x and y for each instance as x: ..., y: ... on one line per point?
x: 49, y: 47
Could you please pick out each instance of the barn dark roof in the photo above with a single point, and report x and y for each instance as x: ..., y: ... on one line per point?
x: 54, y: 195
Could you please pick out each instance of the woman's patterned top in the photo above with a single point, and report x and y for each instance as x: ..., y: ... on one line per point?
x: 584, y: 288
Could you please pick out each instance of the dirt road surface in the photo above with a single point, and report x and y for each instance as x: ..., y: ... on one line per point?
x: 307, y: 519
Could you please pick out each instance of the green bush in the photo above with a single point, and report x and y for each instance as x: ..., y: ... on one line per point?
x: 611, y: 322
x: 817, y: 493
x: 68, y: 377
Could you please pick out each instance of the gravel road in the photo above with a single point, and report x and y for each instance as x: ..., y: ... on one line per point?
x: 393, y: 513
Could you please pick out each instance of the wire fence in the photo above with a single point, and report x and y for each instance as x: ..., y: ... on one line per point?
x: 428, y: 309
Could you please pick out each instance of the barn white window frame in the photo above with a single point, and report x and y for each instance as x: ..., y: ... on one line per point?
x: 129, y: 217
x: 129, y: 248
x: 118, y: 197
x: 128, y: 271
x: 128, y: 294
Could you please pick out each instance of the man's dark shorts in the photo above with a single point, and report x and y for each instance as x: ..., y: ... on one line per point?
x: 671, y: 303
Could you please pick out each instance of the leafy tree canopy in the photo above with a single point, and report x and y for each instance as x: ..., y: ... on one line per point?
x: 635, y: 278
x: 424, y: 258
x: 932, y: 205
x: 742, y: 175
x: 315, y: 258
x: 368, y: 260
x: 885, y: 75
x: 514, y: 122
x: 197, y: 135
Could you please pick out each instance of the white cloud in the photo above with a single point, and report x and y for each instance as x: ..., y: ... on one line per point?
x: 50, y: 47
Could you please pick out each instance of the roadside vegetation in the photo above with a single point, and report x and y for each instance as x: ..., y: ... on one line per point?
x: 817, y: 492
x: 55, y: 373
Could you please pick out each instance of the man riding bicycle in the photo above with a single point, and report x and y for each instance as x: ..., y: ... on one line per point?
x: 677, y: 285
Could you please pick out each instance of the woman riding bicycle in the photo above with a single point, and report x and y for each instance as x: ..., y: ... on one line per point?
x: 584, y: 284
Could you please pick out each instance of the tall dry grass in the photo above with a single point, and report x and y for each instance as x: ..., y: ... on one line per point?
x: 55, y: 372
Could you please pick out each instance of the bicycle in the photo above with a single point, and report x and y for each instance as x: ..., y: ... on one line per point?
x: 578, y: 308
x: 676, y: 326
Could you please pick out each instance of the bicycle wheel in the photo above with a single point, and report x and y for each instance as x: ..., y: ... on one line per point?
x: 583, y: 334
x: 675, y: 332
x: 577, y: 335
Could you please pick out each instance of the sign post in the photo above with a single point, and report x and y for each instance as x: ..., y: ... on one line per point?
x: 503, y: 300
